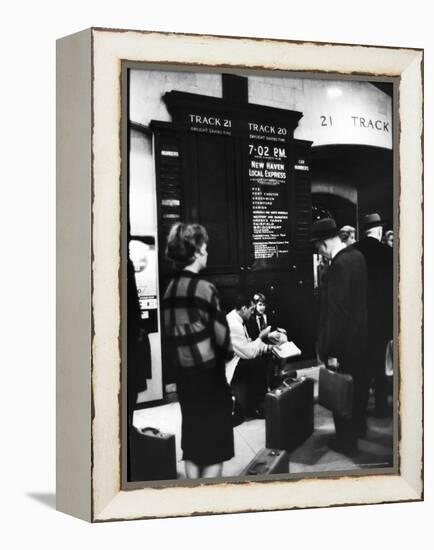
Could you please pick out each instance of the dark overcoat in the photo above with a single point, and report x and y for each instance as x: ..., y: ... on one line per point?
x: 379, y: 263
x: 138, y: 347
x: 343, y: 311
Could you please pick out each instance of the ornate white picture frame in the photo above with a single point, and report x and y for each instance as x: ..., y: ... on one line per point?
x: 89, y: 173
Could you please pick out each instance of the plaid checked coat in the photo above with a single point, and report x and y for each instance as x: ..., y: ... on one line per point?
x: 195, y: 324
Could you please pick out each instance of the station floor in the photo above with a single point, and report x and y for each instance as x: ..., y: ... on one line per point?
x: 374, y: 451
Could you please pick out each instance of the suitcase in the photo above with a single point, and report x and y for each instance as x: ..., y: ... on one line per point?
x: 335, y: 392
x: 289, y: 414
x: 268, y: 461
x: 152, y: 455
x: 277, y: 374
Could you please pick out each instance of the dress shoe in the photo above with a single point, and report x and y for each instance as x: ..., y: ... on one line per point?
x: 340, y: 447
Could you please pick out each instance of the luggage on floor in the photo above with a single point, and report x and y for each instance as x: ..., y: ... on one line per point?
x: 289, y: 414
x: 268, y: 461
x: 335, y: 392
x: 152, y: 455
x: 277, y: 373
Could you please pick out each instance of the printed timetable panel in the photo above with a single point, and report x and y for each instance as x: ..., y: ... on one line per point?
x: 267, y: 181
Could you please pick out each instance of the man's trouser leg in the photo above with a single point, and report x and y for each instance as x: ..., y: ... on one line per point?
x: 380, y: 380
x: 345, y: 432
x: 360, y: 403
x: 249, y: 384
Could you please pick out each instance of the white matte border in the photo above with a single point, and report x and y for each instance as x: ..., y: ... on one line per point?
x: 109, y: 48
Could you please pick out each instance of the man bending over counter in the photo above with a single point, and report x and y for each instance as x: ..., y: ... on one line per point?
x: 247, y: 371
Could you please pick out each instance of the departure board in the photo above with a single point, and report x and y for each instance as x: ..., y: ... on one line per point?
x: 264, y: 161
x: 268, y: 181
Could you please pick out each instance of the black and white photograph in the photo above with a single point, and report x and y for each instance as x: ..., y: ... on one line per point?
x: 258, y: 266
x: 216, y: 283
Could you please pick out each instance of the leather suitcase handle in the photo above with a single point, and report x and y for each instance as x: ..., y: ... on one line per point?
x: 255, y: 469
x: 154, y: 431
x: 294, y: 382
x: 274, y: 452
x: 261, y: 466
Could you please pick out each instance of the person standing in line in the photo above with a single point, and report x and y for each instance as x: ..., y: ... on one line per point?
x: 138, y: 347
x: 379, y: 262
x: 247, y: 371
x: 388, y: 238
x: 138, y: 361
x: 343, y: 325
x: 347, y: 234
x: 199, y: 335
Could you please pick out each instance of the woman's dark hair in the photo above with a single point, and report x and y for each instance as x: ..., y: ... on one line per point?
x: 259, y: 297
x: 183, y: 241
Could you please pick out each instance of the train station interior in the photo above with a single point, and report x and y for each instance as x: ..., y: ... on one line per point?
x: 254, y: 158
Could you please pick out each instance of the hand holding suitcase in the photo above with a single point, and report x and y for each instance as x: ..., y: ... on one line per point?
x: 335, y: 392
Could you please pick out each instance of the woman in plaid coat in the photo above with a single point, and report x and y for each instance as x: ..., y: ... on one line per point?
x: 197, y: 329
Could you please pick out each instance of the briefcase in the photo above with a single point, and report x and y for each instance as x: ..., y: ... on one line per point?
x: 335, y: 392
x: 276, y: 374
x: 268, y: 461
x: 152, y: 455
x: 289, y: 414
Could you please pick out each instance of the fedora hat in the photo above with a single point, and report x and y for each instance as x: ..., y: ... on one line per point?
x: 372, y: 220
x: 323, y: 229
x: 348, y: 228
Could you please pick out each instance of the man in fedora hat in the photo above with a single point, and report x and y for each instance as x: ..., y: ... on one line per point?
x: 379, y: 262
x: 343, y: 325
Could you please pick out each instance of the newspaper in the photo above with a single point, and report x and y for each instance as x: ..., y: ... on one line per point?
x: 285, y: 350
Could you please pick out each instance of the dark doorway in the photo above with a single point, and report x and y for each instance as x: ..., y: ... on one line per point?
x: 342, y: 210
